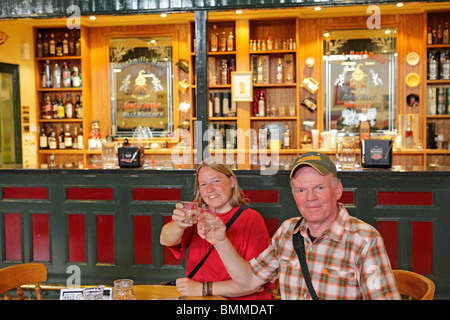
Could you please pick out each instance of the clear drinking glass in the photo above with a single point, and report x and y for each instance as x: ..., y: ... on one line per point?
x: 95, y: 293
x: 123, y: 290
x: 191, y: 210
x: 207, y: 218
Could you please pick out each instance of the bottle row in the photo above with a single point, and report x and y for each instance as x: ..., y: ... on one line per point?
x: 221, y: 73
x: 220, y: 105
x: 263, y: 108
x: 272, y: 137
x: 57, y: 109
x: 438, y: 100
x: 262, y: 65
x: 60, y: 77
x: 269, y: 44
x: 221, y: 43
x: 438, y: 35
x: 58, y: 44
x: 66, y: 139
x: 438, y: 65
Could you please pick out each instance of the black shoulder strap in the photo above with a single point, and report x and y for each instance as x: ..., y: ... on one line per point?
x: 299, y: 247
x: 228, y: 225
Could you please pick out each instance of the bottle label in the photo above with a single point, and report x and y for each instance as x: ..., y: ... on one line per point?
x: 43, y: 142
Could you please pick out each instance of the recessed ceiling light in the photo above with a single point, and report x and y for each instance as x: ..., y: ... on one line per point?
x: 317, y: 8
x: 238, y: 11
x: 326, y: 34
x: 400, y: 4
x: 92, y: 18
x: 163, y: 15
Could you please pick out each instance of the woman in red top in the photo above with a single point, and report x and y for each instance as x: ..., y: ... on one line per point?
x: 216, y: 186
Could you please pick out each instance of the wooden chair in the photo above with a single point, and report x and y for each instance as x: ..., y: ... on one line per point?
x: 414, y: 286
x: 27, y: 273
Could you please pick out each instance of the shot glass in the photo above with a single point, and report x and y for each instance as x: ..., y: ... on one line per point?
x: 207, y: 218
x: 191, y: 210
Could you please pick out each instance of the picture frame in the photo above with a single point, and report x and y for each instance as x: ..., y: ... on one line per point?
x: 241, y: 86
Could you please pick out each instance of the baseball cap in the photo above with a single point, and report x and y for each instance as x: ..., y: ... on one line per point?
x: 319, y: 161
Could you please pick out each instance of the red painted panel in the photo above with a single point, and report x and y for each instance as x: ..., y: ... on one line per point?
x: 272, y: 225
x: 347, y: 197
x: 105, y: 239
x: 405, y: 198
x: 262, y: 196
x: 13, y: 236
x: 169, y: 258
x: 389, y: 232
x: 422, y: 247
x: 77, y: 237
x: 41, y: 243
x: 142, y: 239
x: 156, y: 194
x: 25, y: 193
x: 90, y: 194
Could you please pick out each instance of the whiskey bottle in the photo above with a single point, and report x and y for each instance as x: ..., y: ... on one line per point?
x: 68, y: 139
x: 43, y: 139
x: 446, y: 34
x: 52, y: 45
x: 68, y: 108
x: 269, y: 43
x: 214, y: 39
x: 59, y: 47
x: 261, y: 105
x: 224, y: 72
x: 60, y: 111
x: 75, y: 139
x: 47, y: 109
x: 287, y: 137
x: 52, y: 141
x: 80, y: 138
x: 55, y: 108
x: 230, y: 42
x: 46, y: 46
x: 279, y: 71
x: 71, y: 45
x: 61, y: 138
x: 76, y: 78
x: 223, y: 42
x: 65, y: 44
x: 78, y: 46
x: 39, y: 46
x: 260, y: 72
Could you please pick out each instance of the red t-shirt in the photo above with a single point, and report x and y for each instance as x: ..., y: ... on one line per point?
x: 249, y: 236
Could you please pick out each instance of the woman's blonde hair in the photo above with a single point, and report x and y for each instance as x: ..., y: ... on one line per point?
x: 236, y: 198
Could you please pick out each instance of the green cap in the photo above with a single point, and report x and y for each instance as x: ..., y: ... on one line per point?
x: 319, y: 161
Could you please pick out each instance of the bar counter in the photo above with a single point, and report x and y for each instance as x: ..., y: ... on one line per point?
x: 106, y: 223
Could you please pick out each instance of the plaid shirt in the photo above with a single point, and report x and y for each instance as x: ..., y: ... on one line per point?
x: 348, y: 261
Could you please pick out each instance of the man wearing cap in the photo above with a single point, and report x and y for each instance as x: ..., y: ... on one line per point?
x: 345, y: 256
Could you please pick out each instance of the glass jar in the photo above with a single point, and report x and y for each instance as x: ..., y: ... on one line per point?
x: 123, y: 290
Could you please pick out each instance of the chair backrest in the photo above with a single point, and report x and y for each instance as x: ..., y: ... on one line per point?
x: 27, y: 273
x: 414, y: 286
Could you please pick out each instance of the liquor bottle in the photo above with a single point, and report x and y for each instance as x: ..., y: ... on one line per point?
x: 223, y: 42
x: 263, y: 138
x: 261, y: 105
x: 263, y: 45
x: 260, y: 72
x: 76, y: 79
x: 448, y: 100
x: 52, y: 141
x: 80, y: 114
x: 224, y: 72
x: 66, y: 76
x: 55, y: 108
x: 210, y: 105
x: 434, y: 36
x: 80, y: 138
x: 61, y: 138
x: 39, y: 46
x: 65, y: 44
x: 60, y: 111
x: 76, y: 107
x: 446, y: 66
x: 59, y: 47
x: 287, y: 138
x: 279, y: 71
x: 47, y: 109
x: 75, y: 139
x: 48, y: 74
x: 68, y: 108
x: 269, y: 43
x: 43, y: 139
x: 440, y: 40
x: 258, y: 45
x: 432, y: 67
x: 214, y: 39
x: 230, y: 42
x: 446, y: 34
x: 71, y: 44
x: 440, y: 99
x: 52, y: 45
x: 78, y: 46
x: 409, y: 139
x: 46, y: 46
x: 429, y: 36
x: 56, y: 76
x: 68, y: 139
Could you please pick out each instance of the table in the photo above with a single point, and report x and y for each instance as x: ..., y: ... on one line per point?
x: 151, y: 292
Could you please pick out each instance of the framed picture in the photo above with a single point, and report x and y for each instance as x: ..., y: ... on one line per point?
x: 241, y: 86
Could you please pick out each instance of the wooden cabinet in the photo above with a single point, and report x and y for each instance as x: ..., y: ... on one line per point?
x: 437, y: 94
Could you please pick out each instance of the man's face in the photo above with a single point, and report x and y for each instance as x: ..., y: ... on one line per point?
x: 316, y: 197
